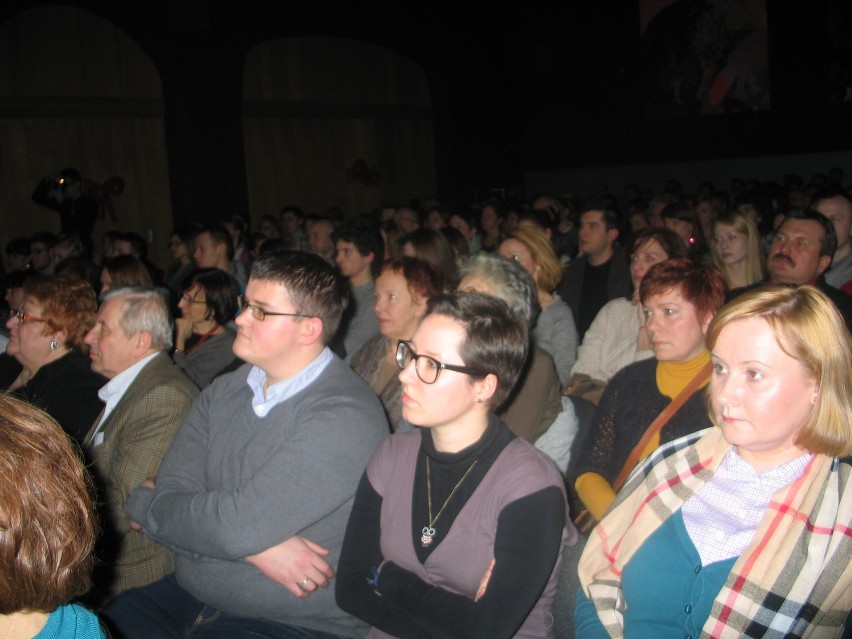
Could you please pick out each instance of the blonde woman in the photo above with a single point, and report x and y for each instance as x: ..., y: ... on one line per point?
x: 737, y: 252
x: 554, y: 331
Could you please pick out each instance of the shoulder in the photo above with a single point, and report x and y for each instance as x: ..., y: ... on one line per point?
x: 641, y: 371
x: 523, y: 469
x: 396, y: 449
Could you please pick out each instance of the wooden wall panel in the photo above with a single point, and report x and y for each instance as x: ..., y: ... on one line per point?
x: 77, y: 91
x: 314, y: 106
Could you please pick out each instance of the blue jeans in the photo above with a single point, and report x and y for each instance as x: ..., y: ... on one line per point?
x: 164, y: 610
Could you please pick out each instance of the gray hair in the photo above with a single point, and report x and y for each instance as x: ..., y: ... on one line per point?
x: 508, y: 281
x: 144, y: 310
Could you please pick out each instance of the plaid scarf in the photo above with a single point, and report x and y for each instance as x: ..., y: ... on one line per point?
x: 794, y: 578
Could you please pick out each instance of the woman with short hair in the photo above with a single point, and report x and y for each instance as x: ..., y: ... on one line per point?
x: 450, y: 518
x: 204, y: 336
x: 679, y: 298
x: 46, y: 337
x: 403, y: 288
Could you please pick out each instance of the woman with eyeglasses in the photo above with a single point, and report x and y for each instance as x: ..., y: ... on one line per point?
x: 554, y: 330
x: 458, y: 526
x: 203, y: 337
x: 46, y: 337
x: 403, y: 287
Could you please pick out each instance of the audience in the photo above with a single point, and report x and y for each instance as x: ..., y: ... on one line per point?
x: 213, y: 248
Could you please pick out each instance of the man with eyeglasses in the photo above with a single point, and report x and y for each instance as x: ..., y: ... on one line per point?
x: 255, y: 493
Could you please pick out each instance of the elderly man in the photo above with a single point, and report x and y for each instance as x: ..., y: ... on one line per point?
x: 268, y: 458
x: 146, y: 400
x: 836, y: 204
x: 802, y: 251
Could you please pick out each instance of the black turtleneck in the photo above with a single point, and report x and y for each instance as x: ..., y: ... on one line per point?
x: 526, y: 546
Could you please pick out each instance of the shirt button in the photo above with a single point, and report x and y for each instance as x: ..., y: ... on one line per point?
x: 698, y: 569
x: 687, y: 608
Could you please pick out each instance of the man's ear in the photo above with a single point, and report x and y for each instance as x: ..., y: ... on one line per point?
x: 144, y: 339
x: 311, y: 330
x: 823, y: 264
x: 612, y: 234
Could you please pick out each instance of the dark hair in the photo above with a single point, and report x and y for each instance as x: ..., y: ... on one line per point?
x: 68, y: 304
x: 16, y: 279
x: 829, y: 241
x: 295, y: 210
x: 240, y: 223
x: 698, y: 283
x: 496, y: 341
x: 47, y: 521
x: 434, y: 247
x: 81, y: 268
x: 367, y: 239
x: 275, y: 222
x: 540, y: 217
x: 128, y: 271
x: 221, y: 292
x: 420, y: 276
x: 609, y: 215
x: 458, y: 243
x: 138, y: 245
x: 218, y: 235
x: 45, y: 237
x: 470, y: 218
x: 185, y: 233
x: 312, y: 284
x: 827, y: 193
x: 18, y: 246
x: 679, y: 211
x: 668, y: 240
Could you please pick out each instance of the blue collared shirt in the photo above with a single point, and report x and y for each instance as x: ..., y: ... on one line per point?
x: 262, y: 402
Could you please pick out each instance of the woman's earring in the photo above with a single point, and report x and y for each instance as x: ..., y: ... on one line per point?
x: 54, y: 345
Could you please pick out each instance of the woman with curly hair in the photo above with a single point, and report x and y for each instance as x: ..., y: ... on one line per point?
x: 46, y: 337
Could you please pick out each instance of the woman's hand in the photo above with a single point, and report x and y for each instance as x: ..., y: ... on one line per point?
x: 183, y: 329
x: 483, y: 583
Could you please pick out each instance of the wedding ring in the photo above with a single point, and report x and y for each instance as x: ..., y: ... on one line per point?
x: 304, y: 583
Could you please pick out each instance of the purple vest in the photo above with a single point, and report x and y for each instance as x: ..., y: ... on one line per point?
x: 458, y: 563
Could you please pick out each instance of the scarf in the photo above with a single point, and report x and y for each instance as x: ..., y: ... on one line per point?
x: 794, y: 578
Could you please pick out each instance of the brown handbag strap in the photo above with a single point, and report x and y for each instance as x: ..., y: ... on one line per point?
x: 657, y: 425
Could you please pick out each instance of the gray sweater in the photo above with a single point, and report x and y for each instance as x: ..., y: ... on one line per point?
x: 234, y: 484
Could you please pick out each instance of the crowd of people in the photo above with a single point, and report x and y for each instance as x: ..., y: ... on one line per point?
x: 606, y: 418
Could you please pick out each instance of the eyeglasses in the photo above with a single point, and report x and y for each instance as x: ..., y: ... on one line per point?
x: 192, y: 300
x: 25, y: 317
x: 428, y: 368
x: 260, y: 314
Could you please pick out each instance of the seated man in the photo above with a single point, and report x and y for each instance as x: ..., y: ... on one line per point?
x: 268, y: 459
x: 147, y: 399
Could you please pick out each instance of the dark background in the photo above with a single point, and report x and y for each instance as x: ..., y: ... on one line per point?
x: 514, y: 88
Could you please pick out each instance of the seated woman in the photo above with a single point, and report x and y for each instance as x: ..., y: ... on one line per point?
x: 403, y: 287
x: 554, y: 330
x: 46, y: 337
x: 203, y: 339
x: 679, y: 298
x: 125, y: 271
x: 738, y: 252
x: 537, y: 398
x: 449, y: 519
x: 433, y: 247
x: 47, y: 529
x: 617, y: 335
x: 741, y: 529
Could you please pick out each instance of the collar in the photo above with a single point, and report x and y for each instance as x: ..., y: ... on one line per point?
x: 263, y: 402
x: 118, y: 385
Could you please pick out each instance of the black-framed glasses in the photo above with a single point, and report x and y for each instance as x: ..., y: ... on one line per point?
x: 428, y: 368
x: 25, y: 317
x: 260, y: 314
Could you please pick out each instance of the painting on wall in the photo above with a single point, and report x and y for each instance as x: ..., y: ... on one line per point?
x: 702, y: 57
